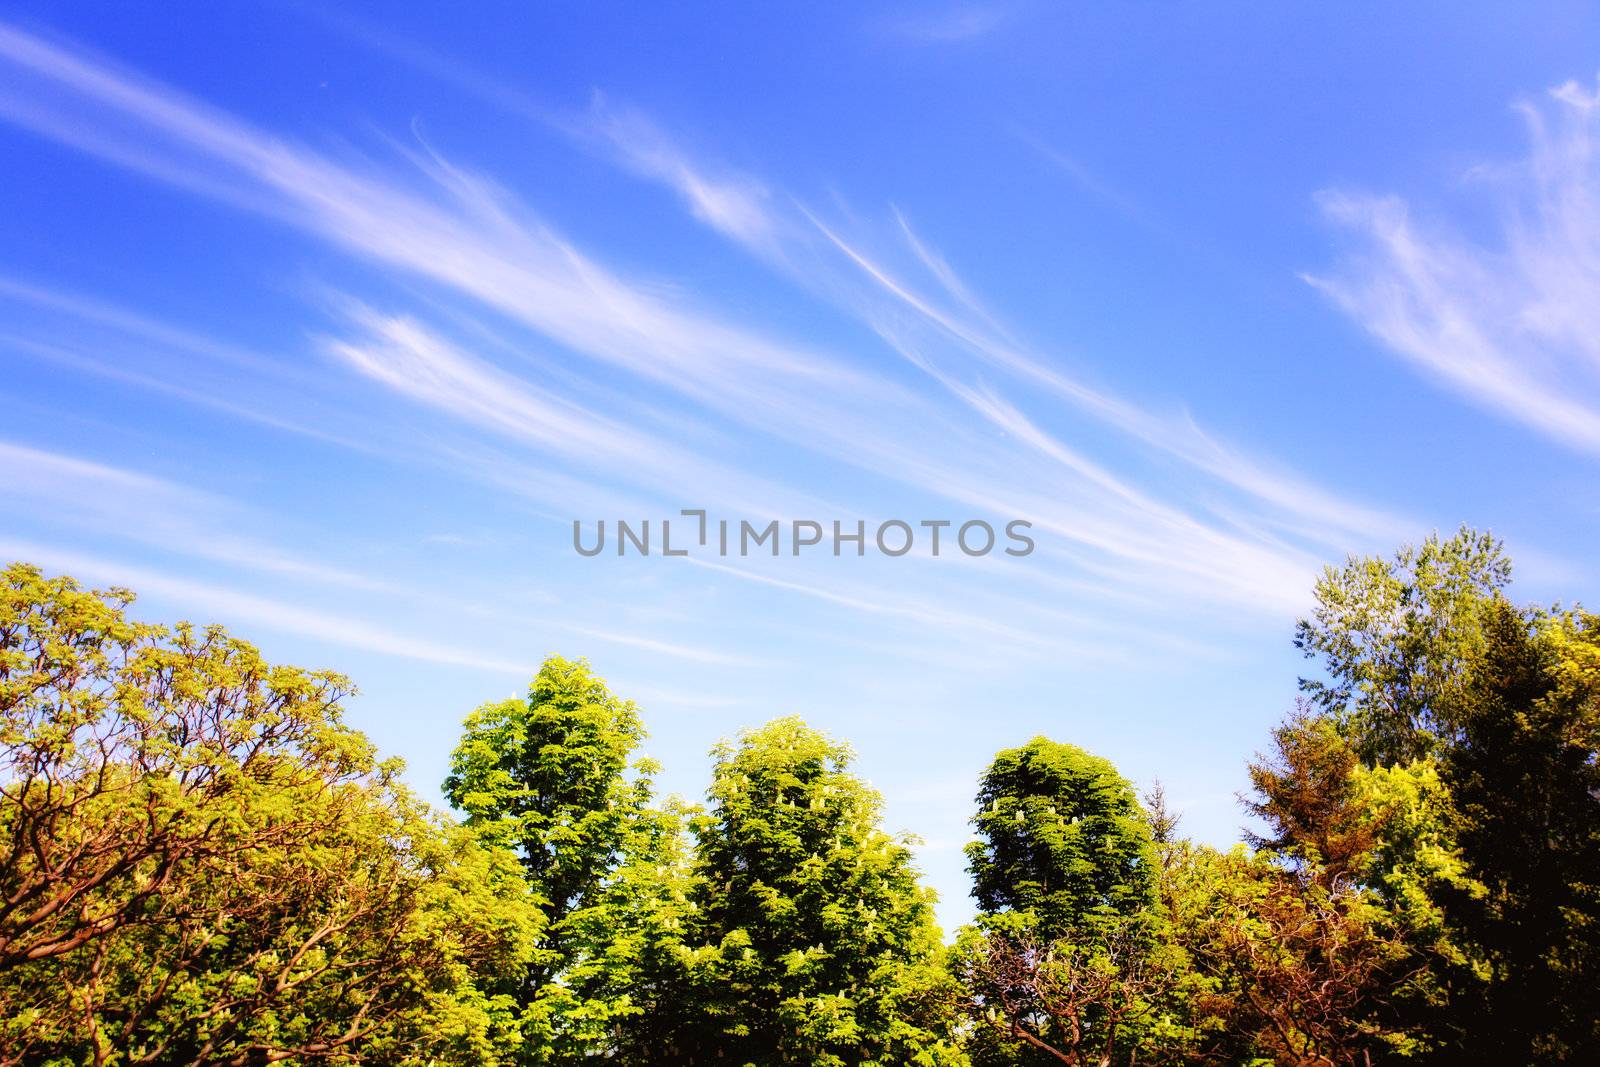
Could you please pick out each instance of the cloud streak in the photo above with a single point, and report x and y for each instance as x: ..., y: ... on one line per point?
x: 964, y: 324
x: 70, y: 491
x: 966, y: 441
x: 237, y: 606
x: 1509, y: 319
x: 734, y: 205
x: 947, y: 26
x: 954, y: 339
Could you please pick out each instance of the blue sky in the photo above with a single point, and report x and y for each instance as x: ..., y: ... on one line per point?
x: 327, y: 328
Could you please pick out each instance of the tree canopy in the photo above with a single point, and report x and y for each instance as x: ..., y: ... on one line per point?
x: 813, y: 940
x: 1061, y: 837
x: 201, y: 862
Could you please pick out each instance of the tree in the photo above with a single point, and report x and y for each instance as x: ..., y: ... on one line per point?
x: 553, y: 777
x: 1080, y: 1002
x: 1289, y: 970
x: 1308, y: 798
x: 547, y: 775
x: 1163, y: 821
x: 624, y: 985
x: 200, y: 863
x: 1522, y: 767
x: 1394, y: 635
x: 1061, y: 837
x: 1064, y: 959
x: 813, y: 941
x: 1450, y: 768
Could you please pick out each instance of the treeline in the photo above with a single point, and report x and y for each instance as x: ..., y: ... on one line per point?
x: 200, y: 863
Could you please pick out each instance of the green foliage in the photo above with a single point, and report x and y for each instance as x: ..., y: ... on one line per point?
x: 1452, y: 762
x: 1282, y: 968
x: 1064, y: 962
x: 624, y: 987
x: 1394, y: 635
x: 1061, y: 838
x: 814, y: 942
x: 200, y: 863
x: 1522, y: 772
x: 1415, y: 858
x: 549, y: 776
x: 546, y: 775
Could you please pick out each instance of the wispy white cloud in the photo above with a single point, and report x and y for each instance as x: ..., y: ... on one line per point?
x: 742, y: 209
x: 732, y: 204
x: 470, y: 236
x: 946, y: 25
x: 407, y: 357
x: 670, y: 649
x: 1511, y: 318
x: 973, y: 333
x: 460, y: 231
x: 611, y: 453
x: 136, y: 324
x: 1085, y: 178
x: 64, y: 490
x: 1116, y: 517
x: 728, y: 202
x: 884, y: 603
x: 300, y: 396
x: 234, y: 606
x: 79, y: 358
x: 962, y: 326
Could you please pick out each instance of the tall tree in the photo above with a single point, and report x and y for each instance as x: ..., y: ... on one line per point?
x: 1063, y: 964
x: 814, y: 941
x: 547, y: 775
x: 1061, y: 837
x: 554, y: 777
x: 1306, y: 794
x: 1394, y: 635
x: 200, y: 863
x: 1283, y: 969
x: 1449, y: 769
x: 1522, y: 767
